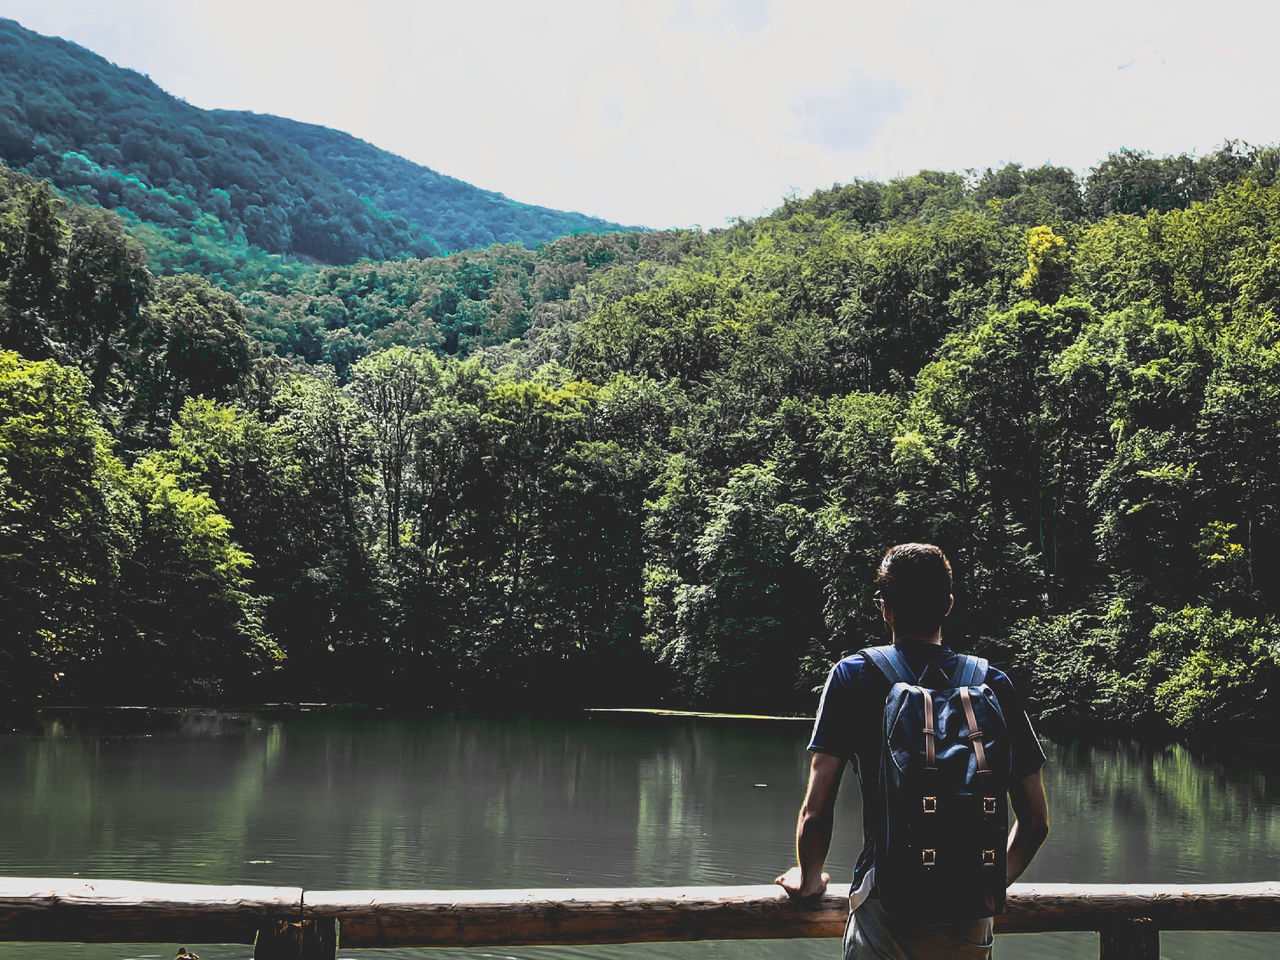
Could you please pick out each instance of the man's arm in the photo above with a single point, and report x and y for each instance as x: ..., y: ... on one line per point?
x: 813, y: 830
x: 1031, y: 828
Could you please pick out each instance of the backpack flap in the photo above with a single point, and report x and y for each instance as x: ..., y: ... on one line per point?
x: 940, y: 845
x: 955, y: 747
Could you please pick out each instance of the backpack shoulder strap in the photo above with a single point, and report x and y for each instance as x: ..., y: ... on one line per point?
x: 890, y: 661
x: 971, y: 672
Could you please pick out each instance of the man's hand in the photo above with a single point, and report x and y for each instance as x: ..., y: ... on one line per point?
x: 813, y: 830
x: 794, y: 883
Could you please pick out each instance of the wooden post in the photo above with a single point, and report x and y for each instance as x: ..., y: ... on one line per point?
x: 1136, y: 939
x: 297, y: 940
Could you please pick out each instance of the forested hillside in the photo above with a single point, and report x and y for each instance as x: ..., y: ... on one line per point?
x: 113, y: 138
x: 513, y: 476
x: 457, y: 214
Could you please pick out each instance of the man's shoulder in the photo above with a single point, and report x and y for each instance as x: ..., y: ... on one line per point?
x: 854, y: 661
x: 852, y: 668
x: 998, y: 680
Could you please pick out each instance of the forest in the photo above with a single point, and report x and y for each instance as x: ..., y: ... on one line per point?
x: 113, y: 138
x: 658, y: 467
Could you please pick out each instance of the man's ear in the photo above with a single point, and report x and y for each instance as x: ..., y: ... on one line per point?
x: 951, y: 602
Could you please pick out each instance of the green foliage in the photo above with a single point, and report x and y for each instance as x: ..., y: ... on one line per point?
x: 200, y: 347
x: 1201, y: 669
x: 514, y: 475
x: 192, y: 620
x: 1039, y: 195
x: 394, y: 388
x: 1044, y: 278
x: 118, y: 583
x: 454, y: 304
x: 1060, y: 664
x: 1227, y: 673
x: 1134, y: 182
x: 723, y: 635
x: 36, y: 244
x: 66, y: 526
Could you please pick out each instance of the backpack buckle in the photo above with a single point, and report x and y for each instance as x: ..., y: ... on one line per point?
x: 988, y: 858
x: 989, y: 805
x: 929, y: 857
x: 930, y: 804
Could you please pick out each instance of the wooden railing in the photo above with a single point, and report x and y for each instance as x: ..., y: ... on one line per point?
x: 288, y: 921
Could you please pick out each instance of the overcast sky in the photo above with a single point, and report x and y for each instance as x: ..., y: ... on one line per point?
x: 680, y: 112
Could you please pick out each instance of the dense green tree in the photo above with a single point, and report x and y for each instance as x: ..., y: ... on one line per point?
x: 253, y: 471
x: 32, y: 289
x: 858, y: 445
x: 725, y: 634
x: 1134, y: 182
x: 108, y: 286
x: 1227, y: 668
x: 116, y: 583
x: 394, y: 388
x: 66, y: 527
x: 191, y: 621
x: 1239, y: 456
x: 336, y: 605
x: 197, y: 346
x: 986, y: 400
x: 1039, y: 195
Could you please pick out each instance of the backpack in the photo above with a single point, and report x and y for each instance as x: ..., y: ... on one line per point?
x: 944, y: 782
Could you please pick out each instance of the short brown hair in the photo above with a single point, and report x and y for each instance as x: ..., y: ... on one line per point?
x: 914, y: 580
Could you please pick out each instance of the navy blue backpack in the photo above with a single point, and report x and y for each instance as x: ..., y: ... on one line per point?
x: 944, y: 780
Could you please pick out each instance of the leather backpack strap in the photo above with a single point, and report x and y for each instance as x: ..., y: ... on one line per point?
x: 975, y: 732
x: 890, y: 661
x: 930, y: 734
x: 971, y: 672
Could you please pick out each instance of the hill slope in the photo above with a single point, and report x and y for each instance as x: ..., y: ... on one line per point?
x: 113, y: 137
x: 459, y: 215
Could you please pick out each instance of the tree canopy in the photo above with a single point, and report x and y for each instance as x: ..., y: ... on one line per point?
x: 513, y: 476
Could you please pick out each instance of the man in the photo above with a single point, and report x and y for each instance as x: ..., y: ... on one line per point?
x: 914, y: 594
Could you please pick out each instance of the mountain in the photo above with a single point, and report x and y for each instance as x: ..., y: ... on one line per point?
x: 459, y: 215
x: 112, y: 137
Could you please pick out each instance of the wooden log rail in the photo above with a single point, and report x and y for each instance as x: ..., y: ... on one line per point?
x: 288, y: 921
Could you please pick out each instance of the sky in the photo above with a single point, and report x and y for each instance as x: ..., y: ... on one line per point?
x: 681, y: 112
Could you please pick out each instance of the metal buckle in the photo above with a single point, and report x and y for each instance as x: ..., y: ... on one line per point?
x: 988, y: 858
x: 989, y: 805
x: 928, y: 857
x: 930, y: 804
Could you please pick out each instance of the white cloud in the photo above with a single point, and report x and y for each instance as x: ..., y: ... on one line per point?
x: 695, y: 111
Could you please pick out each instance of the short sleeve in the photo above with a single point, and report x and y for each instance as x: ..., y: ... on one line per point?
x: 1028, y: 755
x: 835, y: 725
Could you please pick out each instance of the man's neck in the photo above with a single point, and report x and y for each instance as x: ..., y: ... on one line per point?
x: 934, y: 638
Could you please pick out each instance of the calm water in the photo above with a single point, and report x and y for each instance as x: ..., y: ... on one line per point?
x: 338, y: 801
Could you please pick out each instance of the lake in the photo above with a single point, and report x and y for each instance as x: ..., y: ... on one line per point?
x: 330, y: 800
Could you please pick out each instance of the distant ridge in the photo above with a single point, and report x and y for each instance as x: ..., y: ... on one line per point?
x: 458, y: 211
x: 113, y: 137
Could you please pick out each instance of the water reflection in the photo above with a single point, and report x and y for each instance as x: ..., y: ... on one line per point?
x: 1130, y: 814
x: 342, y: 801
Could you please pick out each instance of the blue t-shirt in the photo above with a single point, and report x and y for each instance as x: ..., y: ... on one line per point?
x: 851, y: 713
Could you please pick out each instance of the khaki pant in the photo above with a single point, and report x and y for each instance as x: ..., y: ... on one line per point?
x: 869, y: 936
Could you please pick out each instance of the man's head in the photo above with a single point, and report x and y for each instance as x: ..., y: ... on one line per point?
x: 914, y: 582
